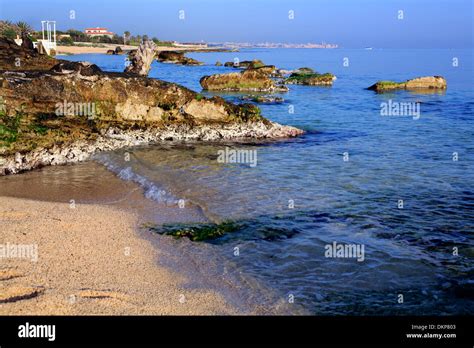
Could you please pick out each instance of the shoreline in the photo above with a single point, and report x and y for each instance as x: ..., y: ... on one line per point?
x: 86, y: 49
x: 93, y: 258
x: 113, y: 139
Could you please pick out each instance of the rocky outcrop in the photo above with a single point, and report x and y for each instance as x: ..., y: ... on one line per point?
x: 118, y: 50
x: 247, y: 80
x: 176, y: 58
x: 269, y: 70
x: 307, y: 76
x: 74, y: 110
x: 65, y: 67
x: 14, y: 57
x: 419, y: 83
x: 245, y: 64
x: 304, y: 70
x: 141, y: 59
x: 218, y: 63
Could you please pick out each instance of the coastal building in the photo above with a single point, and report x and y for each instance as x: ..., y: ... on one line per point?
x: 98, y: 31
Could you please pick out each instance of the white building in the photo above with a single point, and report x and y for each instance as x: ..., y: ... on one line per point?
x: 98, y: 31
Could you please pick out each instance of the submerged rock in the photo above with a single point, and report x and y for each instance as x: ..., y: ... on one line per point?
x: 264, y: 99
x: 307, y: 76
x: 419, y: 83
x: 176, y: 58
x: 247, y: 80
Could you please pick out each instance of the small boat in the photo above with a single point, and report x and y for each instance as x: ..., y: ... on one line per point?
x: 368, y: 48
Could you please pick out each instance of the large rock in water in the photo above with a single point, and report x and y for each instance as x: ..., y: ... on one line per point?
x: 74, y: 110
x: 176, y: 58
x: 307, y: 76
x: 245, y: 64
x: 140, y: 61
x: 419, y: 83
x: 251, y: 80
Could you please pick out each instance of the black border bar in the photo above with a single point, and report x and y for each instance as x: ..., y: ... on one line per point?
x: 219, y: 330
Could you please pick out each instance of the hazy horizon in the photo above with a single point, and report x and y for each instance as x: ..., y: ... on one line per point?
x: 350, y: 24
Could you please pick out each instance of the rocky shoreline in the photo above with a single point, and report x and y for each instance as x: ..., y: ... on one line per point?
x: 66, y: 113
x: 114, y: 138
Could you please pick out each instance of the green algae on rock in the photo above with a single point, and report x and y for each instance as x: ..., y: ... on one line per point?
x: 245, y: 64
x: 222, y: 232
x: 419, y: 83
x: 197, y: 232
x: 306, y: 76
x: 247, y: 80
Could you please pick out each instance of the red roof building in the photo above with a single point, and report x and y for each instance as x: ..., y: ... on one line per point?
x: 99, y: 31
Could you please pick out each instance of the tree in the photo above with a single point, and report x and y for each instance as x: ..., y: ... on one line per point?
x: 8, y: 29
x: 24, y: 27
x: 9, y: 33
x: 126, y: 35
x: 67, y: 41
x: 116, y: 39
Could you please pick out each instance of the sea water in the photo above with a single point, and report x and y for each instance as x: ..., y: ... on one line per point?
x: 398, y: 187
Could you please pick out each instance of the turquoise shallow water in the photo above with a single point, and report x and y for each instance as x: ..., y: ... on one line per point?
x: 302, y: 195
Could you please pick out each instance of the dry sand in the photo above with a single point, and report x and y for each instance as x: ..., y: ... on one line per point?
x: 91, y: 260
x: 103, y: 50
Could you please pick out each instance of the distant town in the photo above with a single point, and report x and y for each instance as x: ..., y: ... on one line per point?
x: 272, y: 45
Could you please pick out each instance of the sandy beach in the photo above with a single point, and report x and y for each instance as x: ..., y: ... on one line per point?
x: 89, y: 261
x: 62, y: 259
x: 105, y: 47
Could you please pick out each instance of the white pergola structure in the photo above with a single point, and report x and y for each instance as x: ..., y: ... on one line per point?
x: 48, y: 30
x: 49, y: 27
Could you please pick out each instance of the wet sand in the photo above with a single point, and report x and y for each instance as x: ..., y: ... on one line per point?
x: 91, y: 258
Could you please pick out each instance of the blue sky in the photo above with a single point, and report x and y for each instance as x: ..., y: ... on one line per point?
x: 350, y: 23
